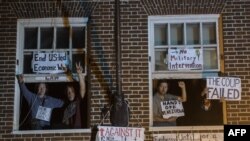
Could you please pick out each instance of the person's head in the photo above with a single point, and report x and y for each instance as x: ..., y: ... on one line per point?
x: 42, y: 89
x: 70, y: 91
x: 206, y: 104
x: 162, y: 87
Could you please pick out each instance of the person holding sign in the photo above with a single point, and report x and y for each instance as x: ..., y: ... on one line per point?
x: 163, y: 99
x: 41, y: 105
x: 206, y: 103
x: 72, y: 114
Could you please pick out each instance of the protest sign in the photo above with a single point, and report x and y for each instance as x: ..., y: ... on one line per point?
x: 228, y: 88
x: 189, y: 137
x: 172, y: 108
x: 185, y: 59
x: 43, y: 113
x: 49, y: 62
x: 110, y: 133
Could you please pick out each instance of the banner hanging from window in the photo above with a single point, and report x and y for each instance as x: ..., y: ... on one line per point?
x: 110, y: 133
x: 49, y: 62
x: 185, y: 59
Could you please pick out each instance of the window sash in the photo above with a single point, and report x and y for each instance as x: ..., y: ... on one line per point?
x: 29, y: 78
x: 48, y: 23
x: 185, y: 20
x: 185, y: 74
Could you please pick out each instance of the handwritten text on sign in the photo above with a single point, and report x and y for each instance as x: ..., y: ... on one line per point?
x: 49, y: 62
x: 189, y: 137
x: 109, y: 133
x: 227, y: 87
x: 180, y: 59
x: 43, y: 113
x: 172, y: 108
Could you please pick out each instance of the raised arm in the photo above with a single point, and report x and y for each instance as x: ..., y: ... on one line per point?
x: 81, y: 77
x: 183, y: 97
x: 26, y: 93
x: 204, y: 92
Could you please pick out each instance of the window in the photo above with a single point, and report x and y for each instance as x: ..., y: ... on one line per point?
x: 185, y: 48
x: 44, y: 46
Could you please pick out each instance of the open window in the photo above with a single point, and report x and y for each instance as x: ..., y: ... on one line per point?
x: 186, y: 48
x: 44, y: 48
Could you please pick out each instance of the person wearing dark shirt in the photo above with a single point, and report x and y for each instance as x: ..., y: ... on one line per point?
x: 72, y: 111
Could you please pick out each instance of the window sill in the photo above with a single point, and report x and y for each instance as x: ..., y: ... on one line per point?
x: 186, y: 128
x: 182, y: 75
x: 53, y: 131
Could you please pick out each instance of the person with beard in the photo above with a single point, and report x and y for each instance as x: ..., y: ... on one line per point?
x: 162, y: 95
x: 41, y: 105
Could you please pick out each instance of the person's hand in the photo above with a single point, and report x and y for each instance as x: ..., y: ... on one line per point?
x: 20, y: 78
x: 65, y: 68
x: 204, y: 92
x: 222, y: 99
x: 181, y: 84
x: 171, y: 119
x: 79, y: 68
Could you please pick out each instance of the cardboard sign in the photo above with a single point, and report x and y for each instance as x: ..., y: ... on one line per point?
x: 172, y: 108
x: 228, y: 88
x: 185, y: 59
x: 43, y: 113
x: 189, y: 137
x: 110, y: 133
x: 49, y: 62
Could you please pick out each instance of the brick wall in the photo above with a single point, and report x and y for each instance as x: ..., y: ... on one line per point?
x: 7, y: 67
x: 134, y: 40
x: 236, y: 33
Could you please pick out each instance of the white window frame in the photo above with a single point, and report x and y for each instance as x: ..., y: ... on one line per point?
x: 42, y: 22
x: 183, y: 74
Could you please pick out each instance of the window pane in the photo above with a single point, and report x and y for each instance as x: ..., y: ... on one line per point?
x: 160, y: 34
x: 193, y: 33
x: 30, y: 38
x: 78, y: 37
x: 176, y: 33
x: 209, y: 33
x: 76, y: 58
x: 161, y: 60
x: 27, y: 64
x: 62, y: 38
x: 210, y: 58
x: 47, y: 35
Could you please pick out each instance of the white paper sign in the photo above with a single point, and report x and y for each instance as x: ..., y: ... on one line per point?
x: 43, y: 113
x: 227, y: 87
x: 110, y: 133
x: 189, y: 137
x: 211, y: 136
x: 172, y: 108
x: 49, y: 62
x: 164, y: 137
x: 185, y: 59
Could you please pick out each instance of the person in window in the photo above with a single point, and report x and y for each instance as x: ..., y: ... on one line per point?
x: 72, y: 114
x: 162, y: 95
x: 41, y: 105
x: 206, y: 103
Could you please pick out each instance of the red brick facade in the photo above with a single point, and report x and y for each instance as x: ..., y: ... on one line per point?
x: 134, y: 40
